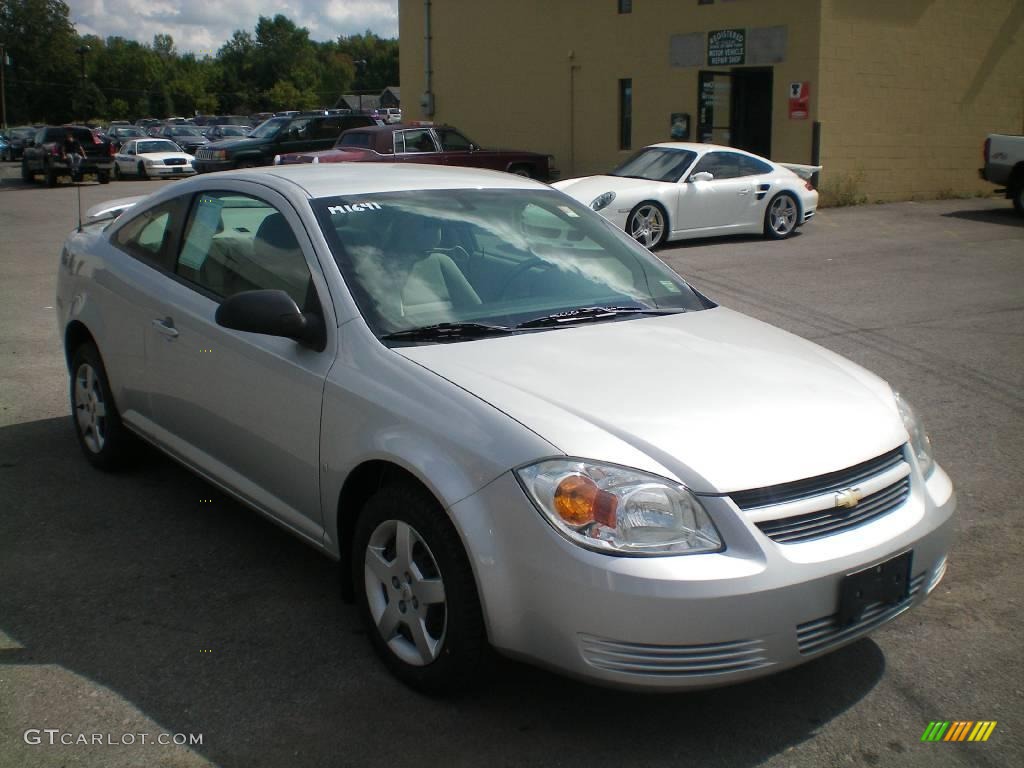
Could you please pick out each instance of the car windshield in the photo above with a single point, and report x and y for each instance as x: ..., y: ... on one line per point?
x: 490, y: 258
x: 156, y: 146
x: 126, y: 132
x: 657, y: 164
x: 233, y: 130
x: 185, y: 130
x: 269, y: 128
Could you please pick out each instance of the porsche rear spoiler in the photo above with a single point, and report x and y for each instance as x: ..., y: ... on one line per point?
x: 803, y: 171
x: 111, y: 209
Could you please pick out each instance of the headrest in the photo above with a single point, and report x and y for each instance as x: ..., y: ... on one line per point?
x: 416, y: 235
x: 275, y: 232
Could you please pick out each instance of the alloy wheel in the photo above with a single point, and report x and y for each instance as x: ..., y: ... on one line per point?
x: 90, y: 408
x: 405, y: 592
x: 646, y: 225
x: 782, y: 215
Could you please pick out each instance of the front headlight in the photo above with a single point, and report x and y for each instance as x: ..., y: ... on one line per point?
x: 618, y: 510
x: 602, y: 201
x: 919, y: 442
x: 219, y: 154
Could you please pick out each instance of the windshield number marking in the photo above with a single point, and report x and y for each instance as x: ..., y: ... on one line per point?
x: 354, y: 208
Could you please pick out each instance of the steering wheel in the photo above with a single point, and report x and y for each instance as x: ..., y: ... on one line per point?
x: 522, y: 269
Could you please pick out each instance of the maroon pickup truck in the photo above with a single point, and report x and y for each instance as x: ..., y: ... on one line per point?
x: 423, y: 143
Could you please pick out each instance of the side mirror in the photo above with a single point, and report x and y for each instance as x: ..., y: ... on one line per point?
x: 473, y: 147
x: 270, y: 312
x: 703, y: 176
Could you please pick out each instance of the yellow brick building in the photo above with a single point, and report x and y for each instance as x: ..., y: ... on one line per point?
x: 902, y: 92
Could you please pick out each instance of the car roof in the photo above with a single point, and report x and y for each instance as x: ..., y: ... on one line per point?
x: 704, y: 148
x: 348, y: 179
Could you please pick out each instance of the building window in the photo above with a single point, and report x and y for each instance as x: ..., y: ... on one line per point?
x: 625, y: 114
x: 625, y: 6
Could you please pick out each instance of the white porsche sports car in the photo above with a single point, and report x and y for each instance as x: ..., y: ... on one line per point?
x: 148, y: 158
x: 677, y: 191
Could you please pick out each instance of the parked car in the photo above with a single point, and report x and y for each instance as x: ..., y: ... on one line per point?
x: 420, y: 143
x: 119, y: 134
x: 389, y: 115
x: 278, y: 135
x: 42, y: 155
x: 148, y: 122
x: 510, y: 422
x: 1004, y: 166
x: 147, y: 158
x: 16, y: 138
x: 188, y: 137
x: 678, y: 190
x: 226, y: 131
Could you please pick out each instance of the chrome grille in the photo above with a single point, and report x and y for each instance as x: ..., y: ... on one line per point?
x: 674, y: 660
x: 204, y: 154
x: 815, y: 486
x: 824, y: 633
x: 815, y: 525
x: 174, y: 161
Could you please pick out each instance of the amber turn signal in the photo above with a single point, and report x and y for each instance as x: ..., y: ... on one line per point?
x: 579, y: 501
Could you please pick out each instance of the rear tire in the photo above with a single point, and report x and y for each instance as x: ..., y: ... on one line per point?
x: 51, y: 177
x: 103, y: 177
x: 781, y: 216
x: 102, y: 436
x: 416, y: 592
x: 1018, y: 198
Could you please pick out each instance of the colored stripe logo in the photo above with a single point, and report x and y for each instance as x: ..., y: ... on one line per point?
x: 958, y: 730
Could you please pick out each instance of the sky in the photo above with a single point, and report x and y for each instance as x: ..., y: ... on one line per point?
x: 202, y: 26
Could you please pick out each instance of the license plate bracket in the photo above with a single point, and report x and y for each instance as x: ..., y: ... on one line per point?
x: 887, y: 583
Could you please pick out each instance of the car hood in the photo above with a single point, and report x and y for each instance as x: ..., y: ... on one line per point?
x: 237, y: 143
x: 715, y: 399
x: 166, y: 156
x: 587, y: 188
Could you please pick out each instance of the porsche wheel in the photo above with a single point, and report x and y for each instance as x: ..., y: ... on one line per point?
x: 781, y: 218
x: 648, y: 224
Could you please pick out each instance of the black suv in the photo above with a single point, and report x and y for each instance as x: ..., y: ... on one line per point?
x: 42, y: 154
x: 277, y: 136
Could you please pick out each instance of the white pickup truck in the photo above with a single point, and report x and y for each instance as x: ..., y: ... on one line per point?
x: 1004, y: 165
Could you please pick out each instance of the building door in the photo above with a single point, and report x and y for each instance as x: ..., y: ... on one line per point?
x: 735, y: 109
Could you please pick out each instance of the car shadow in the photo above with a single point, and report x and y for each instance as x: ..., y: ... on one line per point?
x: 723, y: 240
x: 1007, y: 216
x: 209, y: 619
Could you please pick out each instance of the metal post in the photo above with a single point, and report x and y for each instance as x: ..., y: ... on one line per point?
x: 3, y: 85
x: 815, y: 150
x: 572, y: 112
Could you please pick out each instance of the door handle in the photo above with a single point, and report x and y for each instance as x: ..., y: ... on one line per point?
x: 165, y: 325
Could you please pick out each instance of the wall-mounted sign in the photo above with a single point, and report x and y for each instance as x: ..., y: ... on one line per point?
x: 727, y: 47
x: 679, y: 126
x: 799, y: 100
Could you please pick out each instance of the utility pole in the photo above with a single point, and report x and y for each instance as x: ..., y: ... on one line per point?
x: 82, y: 50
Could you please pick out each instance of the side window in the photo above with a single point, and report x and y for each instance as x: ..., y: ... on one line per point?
x: 235, y: 242
x: 453, y: 141
x: 751, y: 166
x: 723, y: 165
x: 415, y: 141
x: 355, y: 140
x: 149, y: 236
x: 297, y: 130
x: 328, y: 128
x: 128, y: 149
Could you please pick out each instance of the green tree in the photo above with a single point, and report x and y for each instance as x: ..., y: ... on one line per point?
x: 44, y: 72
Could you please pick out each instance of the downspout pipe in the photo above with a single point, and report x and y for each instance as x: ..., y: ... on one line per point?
x: 427, y: 101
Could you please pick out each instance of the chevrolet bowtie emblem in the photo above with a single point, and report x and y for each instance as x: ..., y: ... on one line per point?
x: 849, y: 497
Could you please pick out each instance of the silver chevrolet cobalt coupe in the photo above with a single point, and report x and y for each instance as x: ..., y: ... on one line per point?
x: 512, y: 425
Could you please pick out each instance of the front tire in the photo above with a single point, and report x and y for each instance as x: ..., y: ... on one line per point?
x: 648, y: 224
x: 51, y: 177
x: 781, y: 217
x: 101, y: 434
x: 521, y: 170
x: 416, y: 592
x: 26, y: 174
x: 142, y: 172
x: 1018, y: 199
x: 103, y: 177
x: 117, y: 172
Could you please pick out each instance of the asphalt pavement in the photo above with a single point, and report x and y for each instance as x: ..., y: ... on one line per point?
x: 148, y: 603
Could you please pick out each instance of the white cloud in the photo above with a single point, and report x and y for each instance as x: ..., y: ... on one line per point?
x: 202, y: 26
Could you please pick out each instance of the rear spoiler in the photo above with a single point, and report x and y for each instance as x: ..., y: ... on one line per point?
x: 111, y: 209
x: 803, y: 171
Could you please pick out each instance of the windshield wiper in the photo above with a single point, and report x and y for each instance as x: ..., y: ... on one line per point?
x: 593, y: 314
x: 443, y: 331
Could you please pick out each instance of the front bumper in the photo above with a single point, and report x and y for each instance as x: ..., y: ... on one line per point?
x: 671, y: 623
x: 209, y: 166
x: 170, y: 170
